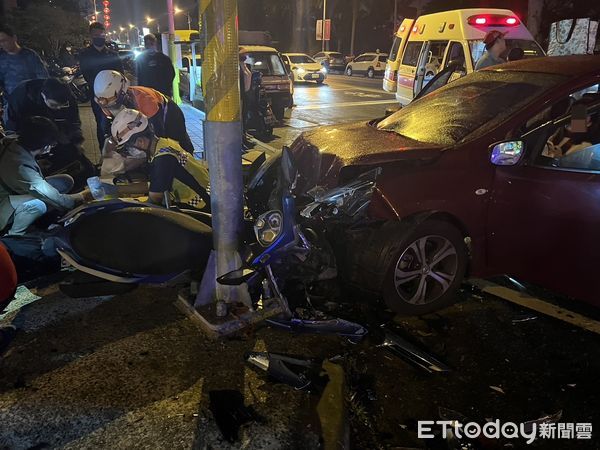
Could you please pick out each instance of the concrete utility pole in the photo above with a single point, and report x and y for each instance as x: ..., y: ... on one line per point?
x: 223, y: 144
x: 172, y: 52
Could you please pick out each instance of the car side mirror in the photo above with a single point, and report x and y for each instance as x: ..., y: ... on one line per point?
x: 507, y: 153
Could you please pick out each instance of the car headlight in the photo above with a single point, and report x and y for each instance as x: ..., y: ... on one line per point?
x: 349, y: 201
x: 268, y: 227
x: 323, y: 70
x: 301, y: 70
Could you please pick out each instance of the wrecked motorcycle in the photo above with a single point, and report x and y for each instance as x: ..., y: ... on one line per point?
x: 287, y: 258
x: 116, y: 245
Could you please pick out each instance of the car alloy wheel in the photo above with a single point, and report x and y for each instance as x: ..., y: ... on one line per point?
x: 349, y: 71
x: 426, y: 268
x: 370, y: 73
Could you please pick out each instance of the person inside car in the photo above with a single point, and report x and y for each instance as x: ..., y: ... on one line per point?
x: 574, y: 145
x: 113, y: 93
x: 171, y: 168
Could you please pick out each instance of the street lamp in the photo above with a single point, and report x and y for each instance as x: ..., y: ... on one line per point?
x: 189, y: 19
x: 149, y: 20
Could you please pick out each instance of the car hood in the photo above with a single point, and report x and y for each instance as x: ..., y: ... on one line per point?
x: 322, y: 154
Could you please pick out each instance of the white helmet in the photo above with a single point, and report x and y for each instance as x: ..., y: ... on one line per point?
x: 127, y: 124
x: 110, y: 88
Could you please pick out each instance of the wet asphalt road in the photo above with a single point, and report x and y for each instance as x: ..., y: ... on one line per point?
x: 340, y: 99
x: 132, y: 371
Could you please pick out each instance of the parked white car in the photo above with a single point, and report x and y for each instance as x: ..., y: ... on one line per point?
x: 369, y: 64
x: 303, y: 68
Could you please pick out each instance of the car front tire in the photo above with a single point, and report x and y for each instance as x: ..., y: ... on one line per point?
x: 349, y: 71
x: 427, y: 267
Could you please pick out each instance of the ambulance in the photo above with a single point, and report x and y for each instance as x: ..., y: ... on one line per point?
x: 424, y: 46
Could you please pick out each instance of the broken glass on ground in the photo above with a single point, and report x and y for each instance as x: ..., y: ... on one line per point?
x: 412, y: 354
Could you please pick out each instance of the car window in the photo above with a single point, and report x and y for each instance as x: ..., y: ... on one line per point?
x: 301, y: 59
x: 558, y: 109
x: 395, y: 48
x: 530, y: 48
x: 266, y: 63
x: 319, y: 55
x: 363, y: 58
x: 383, y: 59
x: 436, y: 55
x: 411, y: 54
x: 456, y: 54
x: 469, y: 106
x: 572, y: 142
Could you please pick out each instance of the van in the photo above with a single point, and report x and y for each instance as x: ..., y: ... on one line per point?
x: 430, y: 43
x: 275, y: 78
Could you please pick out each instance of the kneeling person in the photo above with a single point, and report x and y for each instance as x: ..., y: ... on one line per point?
x: 172, y: 169
x: 25, y: 195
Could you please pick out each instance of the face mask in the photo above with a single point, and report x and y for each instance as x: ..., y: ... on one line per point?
x: 99, y: 41
x: 68, y: 49
x: 136, y: 153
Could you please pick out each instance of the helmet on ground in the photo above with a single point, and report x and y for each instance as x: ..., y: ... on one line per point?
x: 110, y: 88
x: 127, y: 125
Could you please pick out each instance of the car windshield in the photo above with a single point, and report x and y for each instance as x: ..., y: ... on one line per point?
x: 334, y: 55
x: 301, y: 59
x: 266, y: 63
x: 468, y: 107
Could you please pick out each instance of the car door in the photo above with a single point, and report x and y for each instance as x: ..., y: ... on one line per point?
x: 287, y: 63
x: 407, y: 71
x: 358, y: 65
x: 430, y: 62
x: 544, y: 214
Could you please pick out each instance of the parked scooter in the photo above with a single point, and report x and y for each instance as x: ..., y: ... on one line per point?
x: 259, y: 115
x: 72, y: 77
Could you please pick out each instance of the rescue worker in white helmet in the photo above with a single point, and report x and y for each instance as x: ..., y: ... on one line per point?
x: 171, y: 168
x: 113, y: 93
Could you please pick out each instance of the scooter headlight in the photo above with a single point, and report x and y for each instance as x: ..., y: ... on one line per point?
x: 268, y: 227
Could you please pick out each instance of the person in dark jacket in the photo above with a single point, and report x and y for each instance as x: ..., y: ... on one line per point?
x: 94, y: 59
x: 66, y: 58
x: 47, y: 98
x: 17, y: 63
x: 154, y: 69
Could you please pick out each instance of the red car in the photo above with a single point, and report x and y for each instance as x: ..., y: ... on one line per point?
x: 496, y: 173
